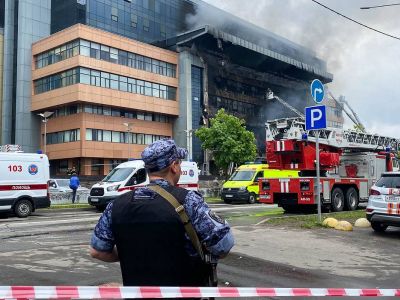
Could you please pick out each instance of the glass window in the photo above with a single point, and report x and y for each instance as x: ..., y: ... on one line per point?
x: 171, y: 93
x: 116, y: 112
x: 95, y: 78
x: 163, y: 91
x: 95, y: 50
x: 88, y: 109
x: 123, y: 83
x: 122, y: 57
x: 146, y: 24
x: 67, y: 136
x: 105, y: 52
x: 140, y: 116
x: 106, y: 136
x: 114, y: 14
x: 148, y: 89
x: 140, y: 138
x: 88, y: 134
x: 113, y: 55
x: 131, y: 60
x: 140, y: 62
x: 148, y: 139
x: 134, y: 20
x: 107, y: 111
x: 156, y: 90
x: 147, y: 64
x: 114, y: 81
x: 131, y: 85
x: 148, y: 117
x: 105, y: 79
x: 84, y: 76
x: 116, y: 137
x: 140, y: 87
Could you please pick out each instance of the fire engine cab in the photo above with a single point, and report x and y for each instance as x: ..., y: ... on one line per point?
x: 350, y: 162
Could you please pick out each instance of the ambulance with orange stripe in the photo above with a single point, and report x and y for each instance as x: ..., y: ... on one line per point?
x: 23, y: 182
x: 132, y: 174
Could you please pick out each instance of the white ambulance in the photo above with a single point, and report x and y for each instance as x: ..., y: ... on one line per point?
x: 132, y: 174
x: 23, y: 182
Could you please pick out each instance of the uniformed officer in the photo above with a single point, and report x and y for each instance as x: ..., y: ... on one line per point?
x: 153, y: 247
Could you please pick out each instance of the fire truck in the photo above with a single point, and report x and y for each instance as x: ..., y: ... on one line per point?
x: 350, y: 162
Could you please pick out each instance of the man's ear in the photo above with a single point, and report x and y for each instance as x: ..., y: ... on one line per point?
x: 174, y: 167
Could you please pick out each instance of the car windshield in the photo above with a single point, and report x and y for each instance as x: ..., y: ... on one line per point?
x: 63, y: 182
x: 389, y: 181
x: 118, y: 174
x: 242, y: 176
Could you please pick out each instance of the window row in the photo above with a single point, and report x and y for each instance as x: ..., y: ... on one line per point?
x: 103, y: 52
x: 63, y: 136
x: 102, y: 135
x: 109, y: 111
x: 105, y: 80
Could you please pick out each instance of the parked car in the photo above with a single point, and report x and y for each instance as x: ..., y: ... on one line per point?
x: 383, y: 208
x: 62, y: 186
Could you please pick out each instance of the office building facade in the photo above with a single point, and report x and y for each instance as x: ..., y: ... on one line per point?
x: 110, y: 96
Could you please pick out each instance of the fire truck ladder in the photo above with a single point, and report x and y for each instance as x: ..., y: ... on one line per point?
x: 294, y: 129
x: 270, y: 95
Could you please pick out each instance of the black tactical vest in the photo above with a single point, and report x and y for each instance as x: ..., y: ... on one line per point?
x: 150, y: 239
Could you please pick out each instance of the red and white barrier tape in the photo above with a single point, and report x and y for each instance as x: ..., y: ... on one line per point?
x: 107, y: 292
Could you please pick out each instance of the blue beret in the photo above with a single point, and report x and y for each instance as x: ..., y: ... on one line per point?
x: 161, y: 154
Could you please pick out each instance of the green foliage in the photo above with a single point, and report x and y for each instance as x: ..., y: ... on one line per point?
x: 228, y: 140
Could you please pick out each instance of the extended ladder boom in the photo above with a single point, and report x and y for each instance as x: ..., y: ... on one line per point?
x: 294, y: 129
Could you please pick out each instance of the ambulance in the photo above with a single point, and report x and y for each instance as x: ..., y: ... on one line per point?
x: 132, y: 174
x: 243, y: 184
x: 23, y: 182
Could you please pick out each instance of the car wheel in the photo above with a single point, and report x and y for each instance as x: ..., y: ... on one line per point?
x: 23, y: 208
x: 227, y: 201
x: 252, y: 198
x: 351, y: 199
x: 337, y: 199
x: 378, y: 227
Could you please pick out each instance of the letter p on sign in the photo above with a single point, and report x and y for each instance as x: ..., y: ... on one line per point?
x: 315, y: 117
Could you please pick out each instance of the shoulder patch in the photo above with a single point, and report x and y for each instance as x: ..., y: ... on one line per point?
x: 215, y: 217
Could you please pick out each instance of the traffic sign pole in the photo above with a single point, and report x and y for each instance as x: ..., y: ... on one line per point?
x: 318, y: 177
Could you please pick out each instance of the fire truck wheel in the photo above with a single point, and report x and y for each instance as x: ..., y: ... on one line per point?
x: 337, y: 199
x: 252, y: 198
x: 351, y: 199
x: 23, y: 208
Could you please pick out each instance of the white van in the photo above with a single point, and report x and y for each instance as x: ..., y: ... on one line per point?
x: 23, y: 182
x: 132, y: 174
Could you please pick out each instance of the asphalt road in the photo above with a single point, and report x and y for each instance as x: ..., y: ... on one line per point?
x: 51, y: 248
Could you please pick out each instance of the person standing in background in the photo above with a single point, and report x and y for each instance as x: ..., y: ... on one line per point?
x: 73, y: 185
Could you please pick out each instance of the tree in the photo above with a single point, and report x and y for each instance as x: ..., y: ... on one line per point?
x: 228, y: 140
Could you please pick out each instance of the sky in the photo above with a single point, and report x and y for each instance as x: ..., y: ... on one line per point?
x: 365, y: 64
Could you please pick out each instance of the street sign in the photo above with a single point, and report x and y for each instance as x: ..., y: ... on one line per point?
x: 317, y: 91
x: 315, y: 117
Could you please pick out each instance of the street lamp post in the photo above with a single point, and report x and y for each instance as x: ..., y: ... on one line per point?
x: 189, y: 136
x: 129, y: 131
x: 45, y: 117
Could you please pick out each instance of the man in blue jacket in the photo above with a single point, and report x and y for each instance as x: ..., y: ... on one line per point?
x: 74, y: 184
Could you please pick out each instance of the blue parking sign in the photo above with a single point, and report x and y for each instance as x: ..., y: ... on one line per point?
x: 315, y: 117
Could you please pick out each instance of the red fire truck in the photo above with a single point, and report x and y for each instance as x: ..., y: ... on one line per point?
x: 350, y: 162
